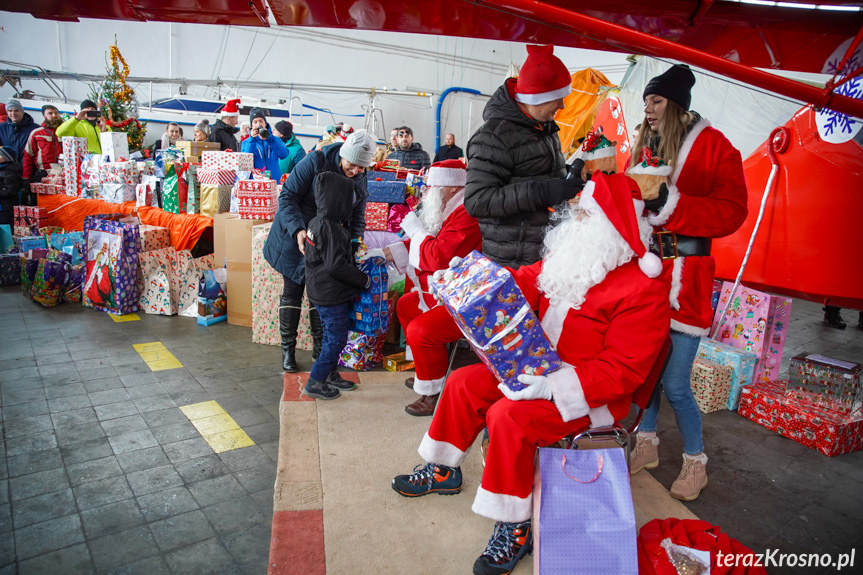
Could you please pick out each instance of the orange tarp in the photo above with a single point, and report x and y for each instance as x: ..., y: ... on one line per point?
x: 69, y: 213
x: 580, y: 106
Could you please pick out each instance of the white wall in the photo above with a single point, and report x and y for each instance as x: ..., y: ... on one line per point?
x: 300, y: 55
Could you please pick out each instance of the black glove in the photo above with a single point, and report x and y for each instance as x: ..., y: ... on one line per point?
x: 574, y: 174
x: 560, y: 191
x: 657, y: 204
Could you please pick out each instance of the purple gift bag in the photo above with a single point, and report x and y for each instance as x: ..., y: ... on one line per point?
x: 583, y: 517
x: 111, y: 270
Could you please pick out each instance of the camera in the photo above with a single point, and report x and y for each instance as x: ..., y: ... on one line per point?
x: 93, y: 113
x: 263, y: 133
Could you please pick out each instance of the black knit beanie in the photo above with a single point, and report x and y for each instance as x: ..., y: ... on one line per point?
x: 256, y: 113
x: 89, y: 104
x: 285, y: 128
x: 675, y: 84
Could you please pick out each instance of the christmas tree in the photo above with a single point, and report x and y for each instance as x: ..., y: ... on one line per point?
x: 115, y: 95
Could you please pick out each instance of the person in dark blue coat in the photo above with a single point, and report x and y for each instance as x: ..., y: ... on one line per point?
x: 266, y: 147
x: 285, y: 246
x: 16, y: 129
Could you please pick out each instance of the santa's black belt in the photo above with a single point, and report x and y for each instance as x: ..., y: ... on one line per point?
x: 668, y: 245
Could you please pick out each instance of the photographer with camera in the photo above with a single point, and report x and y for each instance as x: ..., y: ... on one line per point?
x: 266, y: 147
x: 85, y: 124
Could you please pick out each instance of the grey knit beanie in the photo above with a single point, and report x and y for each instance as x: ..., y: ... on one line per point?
x: 203, y: 126
x: 13, y: 104
x: 359, y: 149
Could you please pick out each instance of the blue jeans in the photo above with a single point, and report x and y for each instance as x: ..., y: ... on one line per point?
x: 675, y: 384
x: 336, y: 320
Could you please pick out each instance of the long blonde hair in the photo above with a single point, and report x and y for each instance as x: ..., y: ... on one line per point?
x: 672, y: 131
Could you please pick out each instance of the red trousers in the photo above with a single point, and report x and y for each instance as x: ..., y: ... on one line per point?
x: 427, y: 333
x: 472, y: 401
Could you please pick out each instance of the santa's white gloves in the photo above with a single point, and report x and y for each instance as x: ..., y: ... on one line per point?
x: 412, y: 225
x: 565, y: 381
x: 538, y: 387
x: 373, y: 253
x: 454, y: 262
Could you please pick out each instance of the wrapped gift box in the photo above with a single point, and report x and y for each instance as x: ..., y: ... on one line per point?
x: 833, y: 384
x: 362, y: 350
x: 370, y: 312
x: 380, y: 176
x: 154, y: 238
x: 392, y: 192
x: 215, y: 199
x: 117, y: 193
x: 10, y: 269
x: 756, y: 322
x: 191, y: 148
x: 119, y: 173
x: 212, y: 297
x: 216, y: 177
x: 766, y: 404
x: 166, y: 156
x: 257, y: 199
x: 115, y: 145
x: 237, y: 161
x: 742, y: 365
x: 397, y: 214
x: 74, y: 150
x: 143, y: 195
x: 27, y: 243
x: 397, y: 362
x: 156, y: 270
x: 710, y: 384
x: 489, y: 308
x: 146, y: 168
x: 376, y: 216
x: 267, y: 286
x: 380, y: 239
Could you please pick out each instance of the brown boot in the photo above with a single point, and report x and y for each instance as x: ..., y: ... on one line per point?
x: 409, y: 383
x: 423, y: 406
x: 690, y: 482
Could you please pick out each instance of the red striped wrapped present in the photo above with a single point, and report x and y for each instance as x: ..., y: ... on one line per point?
x: 217, y: 177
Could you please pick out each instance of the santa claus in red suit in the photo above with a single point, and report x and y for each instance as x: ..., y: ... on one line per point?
x: 442, y: 230
x: 601, y: 305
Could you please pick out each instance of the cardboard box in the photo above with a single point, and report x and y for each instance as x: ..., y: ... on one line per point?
x: 219, y: 245
x: 196, y: 148
x: 238, y: 240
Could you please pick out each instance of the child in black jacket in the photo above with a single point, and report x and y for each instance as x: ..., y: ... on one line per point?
x: 10, y: 183
x: 333, y: 280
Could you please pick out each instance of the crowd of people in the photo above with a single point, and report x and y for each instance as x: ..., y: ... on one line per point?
x: 607, y: 295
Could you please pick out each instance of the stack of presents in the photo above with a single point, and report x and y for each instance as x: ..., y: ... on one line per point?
x: 188, y: 178
x: 819, y: 404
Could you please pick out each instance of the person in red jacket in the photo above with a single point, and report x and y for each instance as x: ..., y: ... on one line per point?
x: 43, y: 146
x: 705, y: 198
x: 442, y: 231
x: 606, y: 312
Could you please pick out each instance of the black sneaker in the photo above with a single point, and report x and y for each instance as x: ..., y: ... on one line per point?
x: 429, y: 478
x: 508, y: 544
x: 335, y: 379
x: 319, y: 390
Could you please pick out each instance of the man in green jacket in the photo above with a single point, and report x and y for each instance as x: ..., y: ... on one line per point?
x: 84, y: 125
x: 284, y: 130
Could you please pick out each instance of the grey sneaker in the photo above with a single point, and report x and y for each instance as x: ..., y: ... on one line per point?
x: 645, y: 455
x: 690, y: 482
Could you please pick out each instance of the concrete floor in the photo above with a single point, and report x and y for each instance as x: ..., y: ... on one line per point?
x: 100, y: 472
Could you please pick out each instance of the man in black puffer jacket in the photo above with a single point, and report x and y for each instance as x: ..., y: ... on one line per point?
x: 410, y: 154
x: 516, y: 170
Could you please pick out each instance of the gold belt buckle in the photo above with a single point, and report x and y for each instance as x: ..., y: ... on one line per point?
x: 660, y: 245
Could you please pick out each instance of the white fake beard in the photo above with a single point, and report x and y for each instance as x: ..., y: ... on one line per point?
x: 431, y: 214
x: 580, y: 253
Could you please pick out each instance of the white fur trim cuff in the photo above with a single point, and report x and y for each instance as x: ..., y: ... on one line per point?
x: 689, y: 329
x: 499, y: 507
x: 416, y: 243
x: 676, y: 282
x: 568, y: 394
x: 650, y: 170
x: 600, y: 153
x: 428, y: 386
x: 670, y: 205
x: 600, y: 417
x: 433, y: 451
x: 542, y: 98
x: 409, y: 353
x: 447, y: 177
x: 400, y: 255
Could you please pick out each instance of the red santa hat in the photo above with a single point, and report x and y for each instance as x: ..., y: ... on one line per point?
x: 231, y: 109
x: 543, y: 77
x: 618, y: 198
x: 447, y: 173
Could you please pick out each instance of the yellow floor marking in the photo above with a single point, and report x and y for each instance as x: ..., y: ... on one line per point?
x: 217, y: 428
x: 127, y: 317
x: 156, y: 356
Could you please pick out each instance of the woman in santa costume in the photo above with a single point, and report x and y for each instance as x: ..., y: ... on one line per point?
x: 442, y: 230
x: 607, y: 315
x: 705, y: 198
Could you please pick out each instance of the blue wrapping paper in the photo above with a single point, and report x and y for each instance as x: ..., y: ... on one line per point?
x: 494, y: 316
x: 370, y: 315
x: 111, y: 270
x: 387, y: 192
x: 381, y: 176
x: 742, y: 365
